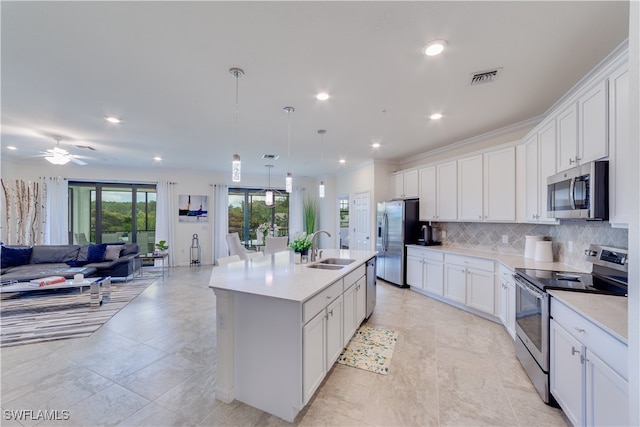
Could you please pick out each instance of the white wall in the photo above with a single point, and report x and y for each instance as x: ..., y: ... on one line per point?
x: 194, y: 183
x: 634, y: 226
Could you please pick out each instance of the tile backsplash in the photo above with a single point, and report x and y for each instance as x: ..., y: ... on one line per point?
x: 488, y: 237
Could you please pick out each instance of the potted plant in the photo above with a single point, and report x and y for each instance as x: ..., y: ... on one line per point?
x: 161, y: 246
x: 302, y: 243
x: 309, y: 210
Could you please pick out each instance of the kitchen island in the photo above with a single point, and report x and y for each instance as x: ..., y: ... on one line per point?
x: 281, y: 326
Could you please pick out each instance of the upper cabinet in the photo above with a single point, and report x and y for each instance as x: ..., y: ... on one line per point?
x: 500, y: 185
x: 620, y: 163
x: 447, y: 191
x: 470, y: 189
x: 540, y: 161
x: 427, y: 193
x: 582, y: 129
x: 405, y: 185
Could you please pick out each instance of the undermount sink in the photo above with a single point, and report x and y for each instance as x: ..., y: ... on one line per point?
x: 326, y: 266
x: 336, y: 261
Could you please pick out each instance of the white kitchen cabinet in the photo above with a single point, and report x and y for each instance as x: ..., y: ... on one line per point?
x: 507, y: 311
x: 455, y: 283
x: 425, y: 270
x: 355, y: 303
x: 335, y: 342
x: 593, y: 138
x: 470, y: 189
x: 405, y: 184
x: 567, y: 143
x: 470, y: 281
x: 620, y: 163
x: 588, y: 369
x: 447, y: 191
x: 582, y: 128
x: 487, y: 186
x: 500, y: 185
x: 314, y: 354
x: 427, y: 193
x: 540, y: 163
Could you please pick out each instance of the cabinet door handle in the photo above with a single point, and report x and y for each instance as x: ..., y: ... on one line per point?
x: 583, y: 359
x: 574, y: 351
x: 479, y: 216
x: 331, y: 312
x: 580, y: 330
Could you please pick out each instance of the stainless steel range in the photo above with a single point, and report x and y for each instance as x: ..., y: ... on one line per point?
x: 609, y: 276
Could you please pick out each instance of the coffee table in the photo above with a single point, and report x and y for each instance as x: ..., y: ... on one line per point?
x: 100, y: 288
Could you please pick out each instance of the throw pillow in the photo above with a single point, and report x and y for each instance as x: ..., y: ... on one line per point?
x: 112, y: 253
x: 77, y: 263
x: 95, y: 253
x: 12, y: 257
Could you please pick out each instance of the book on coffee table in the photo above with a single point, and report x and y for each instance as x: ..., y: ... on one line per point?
x: 51, y: 280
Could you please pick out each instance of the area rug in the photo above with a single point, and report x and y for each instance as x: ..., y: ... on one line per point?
x: 370, y: 349
x: 27, y: 318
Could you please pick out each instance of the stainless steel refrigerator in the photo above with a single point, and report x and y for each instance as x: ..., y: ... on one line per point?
x: 397, y: 225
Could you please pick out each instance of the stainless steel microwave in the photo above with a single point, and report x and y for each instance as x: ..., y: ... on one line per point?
x: 580, y: 193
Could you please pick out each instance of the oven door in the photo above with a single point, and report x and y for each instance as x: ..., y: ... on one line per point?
x: 532, y: 320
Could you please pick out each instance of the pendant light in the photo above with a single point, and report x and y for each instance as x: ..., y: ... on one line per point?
x: 289, y: 179
x: 236, y: 165
x: 268, y: 195
x: 321, y: 132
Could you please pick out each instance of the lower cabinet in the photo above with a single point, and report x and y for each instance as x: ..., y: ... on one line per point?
x: 330, y: 320
x: 507, y: 310
x: 425, y: 270
x: 588, y: 369
x: 470, y: 281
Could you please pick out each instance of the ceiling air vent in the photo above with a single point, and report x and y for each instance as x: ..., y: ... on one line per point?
x: 487, y: 76
x: 270, y: 156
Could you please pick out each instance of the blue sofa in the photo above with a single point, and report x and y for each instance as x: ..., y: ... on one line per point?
x: 24, y: 263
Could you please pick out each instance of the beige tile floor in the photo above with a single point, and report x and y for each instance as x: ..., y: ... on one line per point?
x: 153, y: 364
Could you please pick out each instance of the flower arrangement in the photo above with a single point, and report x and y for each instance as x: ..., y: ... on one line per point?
x: 266, y: 229
x: 301, y: 243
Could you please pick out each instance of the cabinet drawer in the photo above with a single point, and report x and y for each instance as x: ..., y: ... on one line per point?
x: 318, y: 302
x: 477, y: 263
x: 425, y: 253
x: 353, y: 277
x: 506, y: 273
x: 608, y: 348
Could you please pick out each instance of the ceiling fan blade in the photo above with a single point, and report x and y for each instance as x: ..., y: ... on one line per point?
x: 78, y: 161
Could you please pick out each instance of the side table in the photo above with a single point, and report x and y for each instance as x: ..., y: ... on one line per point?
x: 163, y: 257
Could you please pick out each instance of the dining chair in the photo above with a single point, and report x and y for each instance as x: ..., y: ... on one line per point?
x: 228, y: 259
x: 276, y: 244
x: 237, y: 248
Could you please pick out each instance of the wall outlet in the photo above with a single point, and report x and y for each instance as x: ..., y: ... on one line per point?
x: 505, y: 238
x: 444, y: 234
x: 570, y: 246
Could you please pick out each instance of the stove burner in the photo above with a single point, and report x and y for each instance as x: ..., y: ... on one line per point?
x: 568, y: 277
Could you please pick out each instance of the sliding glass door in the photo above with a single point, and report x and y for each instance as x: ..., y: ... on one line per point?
x: 110, y: 213
x: 248, y: 213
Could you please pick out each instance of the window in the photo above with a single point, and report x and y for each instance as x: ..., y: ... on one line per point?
x: 108, y: 213
x: 247, y: 212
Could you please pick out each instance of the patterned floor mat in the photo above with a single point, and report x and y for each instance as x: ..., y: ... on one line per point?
x: 370, y: 349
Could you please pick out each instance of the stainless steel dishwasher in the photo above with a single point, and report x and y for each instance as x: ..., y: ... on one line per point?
x: 371, y: 286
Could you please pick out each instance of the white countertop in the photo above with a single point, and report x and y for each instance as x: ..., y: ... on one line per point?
x: 508, y: 260
x: 610, y: 312
x: 277, y: 276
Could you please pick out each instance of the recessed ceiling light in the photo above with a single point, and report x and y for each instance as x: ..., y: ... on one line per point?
x: 435, y: 47
x: 376, y: 145
x: 112, y: 119
x: 11, y: 147
x: 435, y: 116
x: 343, y: 161
x: 322, y: 96
x: 157, y: 158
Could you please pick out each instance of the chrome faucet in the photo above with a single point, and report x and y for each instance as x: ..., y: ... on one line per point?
x: 314, y: 249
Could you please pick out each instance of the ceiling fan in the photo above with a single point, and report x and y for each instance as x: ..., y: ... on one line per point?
x: 60, y: 156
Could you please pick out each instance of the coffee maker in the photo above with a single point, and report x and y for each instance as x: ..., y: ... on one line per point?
x: 428, y: 235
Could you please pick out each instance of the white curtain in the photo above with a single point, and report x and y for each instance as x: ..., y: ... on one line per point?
x: 220, y: 221
x: 166, y: 211
x: 296, y: 218
x: 25, y: 209
x: 57, y: 211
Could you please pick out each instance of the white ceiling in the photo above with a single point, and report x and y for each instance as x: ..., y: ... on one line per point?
x: 163, y: 68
